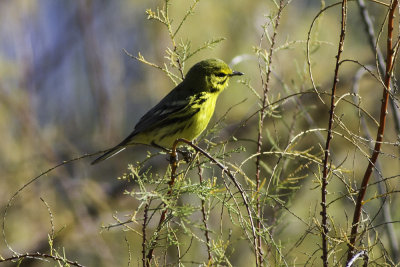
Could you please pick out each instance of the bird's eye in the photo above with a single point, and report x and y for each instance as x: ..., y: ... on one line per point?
x: 220, y: 74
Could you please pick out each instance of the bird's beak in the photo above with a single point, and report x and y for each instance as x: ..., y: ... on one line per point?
x: 236, y: 73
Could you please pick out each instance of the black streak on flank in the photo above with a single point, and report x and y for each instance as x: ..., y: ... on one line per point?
x: 201, y: 100
x: 178, y: 120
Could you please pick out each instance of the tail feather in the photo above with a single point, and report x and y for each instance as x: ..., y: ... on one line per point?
x: 110, y: 153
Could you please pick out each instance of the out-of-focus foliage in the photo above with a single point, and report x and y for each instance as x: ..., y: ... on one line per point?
x: 68, y: 88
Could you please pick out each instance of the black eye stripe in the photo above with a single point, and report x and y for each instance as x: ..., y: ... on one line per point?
x: 220, y: 74
x: 223, y: 81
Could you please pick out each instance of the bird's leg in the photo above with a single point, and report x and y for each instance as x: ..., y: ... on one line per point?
x: 166, y: 150
x: 187, y: 152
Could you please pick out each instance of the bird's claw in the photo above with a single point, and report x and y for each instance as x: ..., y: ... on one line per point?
x: 187, y: 155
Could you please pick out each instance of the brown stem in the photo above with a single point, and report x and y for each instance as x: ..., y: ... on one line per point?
x: 146, y: 209
x: 379, y: 137
x: 174, y: 166
x: 236, y: 183
x: 387, y: 216
x: 203, y: 211
x: 324, y: 185
x: 263, y: 113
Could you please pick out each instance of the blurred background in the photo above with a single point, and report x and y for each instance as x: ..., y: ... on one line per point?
x: 67, y: 88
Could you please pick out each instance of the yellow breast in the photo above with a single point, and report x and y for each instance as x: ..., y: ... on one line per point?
x: 198, y: 123
x: 190, y: 127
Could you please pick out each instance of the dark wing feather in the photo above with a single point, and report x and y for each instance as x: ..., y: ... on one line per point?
x: 170, y: 104
x: 177, y: 100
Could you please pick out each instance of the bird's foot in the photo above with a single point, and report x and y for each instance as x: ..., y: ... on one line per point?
x: 188, y: 154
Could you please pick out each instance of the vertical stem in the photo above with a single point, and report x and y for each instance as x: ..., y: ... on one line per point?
x: 381, y: 60
x: 174, y: 166
x: 379, y: 138
x: 146, y: 209
x: 263, y: 113
x: 203, y: 211
x: 324, y: 185
x: 236, y: 183
x: 386, y: 216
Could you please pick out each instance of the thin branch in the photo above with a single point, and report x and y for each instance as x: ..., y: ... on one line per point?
x: 129, y: 252
x: 379, y: 137
x: 324, y: 212
x: 39, y: 255
x: 232, y: 178
x: 174, y: 166
x: 10, y: 201
x: 363, y: 254
x: 387, y: 217
x: 203, y: 212
x: 262, y: 114
x: 369, y: 26
x: 144, y: 226
x: 188, y: 13
x: 308, y: 47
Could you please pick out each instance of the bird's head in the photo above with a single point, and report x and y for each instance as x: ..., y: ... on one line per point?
x: 211, y: 75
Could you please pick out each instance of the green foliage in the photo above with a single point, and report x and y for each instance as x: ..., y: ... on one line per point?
x: 250, y: 195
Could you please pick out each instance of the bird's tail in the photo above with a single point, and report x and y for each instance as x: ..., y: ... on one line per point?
x: 111, y: 152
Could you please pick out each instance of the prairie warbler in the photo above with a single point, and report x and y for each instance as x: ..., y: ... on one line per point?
x: 184, y: 112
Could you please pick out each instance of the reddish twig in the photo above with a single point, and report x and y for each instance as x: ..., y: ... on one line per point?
x: 387, y: 216
x: 174, y: 166
x: 379, y: 138
x: 324, y: 185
